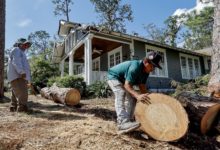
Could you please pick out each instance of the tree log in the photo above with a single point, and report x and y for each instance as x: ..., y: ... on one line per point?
x: 202, y: 111
x: 164, y: 119
x: 68, y: 96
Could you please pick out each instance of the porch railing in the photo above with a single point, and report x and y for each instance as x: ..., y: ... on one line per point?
x: 97, y: 76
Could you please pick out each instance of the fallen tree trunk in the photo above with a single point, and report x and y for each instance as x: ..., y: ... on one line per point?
x: 68, y: 96
x: 202, y: 111
x: 164, y: 119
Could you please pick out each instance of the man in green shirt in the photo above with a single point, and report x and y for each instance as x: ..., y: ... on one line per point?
x: 122, y: 78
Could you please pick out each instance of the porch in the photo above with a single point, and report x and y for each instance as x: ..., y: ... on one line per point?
x: 91, y: 57
x: 96, y: 76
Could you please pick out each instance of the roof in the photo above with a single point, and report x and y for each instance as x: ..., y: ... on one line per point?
x: 151, y: 42
x: 206, y: 51
x: 65, y: 28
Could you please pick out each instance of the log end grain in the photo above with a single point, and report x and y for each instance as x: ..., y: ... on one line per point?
x: 164, y: 119
x: 72, y: 97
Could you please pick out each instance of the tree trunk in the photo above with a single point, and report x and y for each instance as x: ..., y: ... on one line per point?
x: 2, y: 46
x: 67, y: 96
x: 164, y: 119
x: 203, y: 112
x: 214, y: 83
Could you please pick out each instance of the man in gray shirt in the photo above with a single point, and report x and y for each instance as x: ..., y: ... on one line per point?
x: 18, y: 73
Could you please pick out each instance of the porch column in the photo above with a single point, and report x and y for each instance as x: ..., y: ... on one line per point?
x: 88, y: 59
x: 62, y: 67
x: 132, y: 49
x: 71, y: 64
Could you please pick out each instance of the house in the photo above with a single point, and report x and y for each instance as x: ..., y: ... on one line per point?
x: 208, y: 52
x: 90, y: 52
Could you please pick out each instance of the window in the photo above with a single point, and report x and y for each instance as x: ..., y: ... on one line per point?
x: 183, y: 67
x: 69, y: 43
x: 78, y: 68
x: 190, y: 66
x: 209, y: 64
x: 96, y: 64
x: 115, y: 57
x: 159, y: 72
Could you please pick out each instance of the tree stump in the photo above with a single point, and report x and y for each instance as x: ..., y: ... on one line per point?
x: 164, y: 119
x: 68, y: 96
x: 202, y: 111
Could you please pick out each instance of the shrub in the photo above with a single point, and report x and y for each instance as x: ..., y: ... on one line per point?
x: 76, y: 82
x: 198, y: 86
x: 41, y: 71
x: 203, y: 80
x: 99, y: 89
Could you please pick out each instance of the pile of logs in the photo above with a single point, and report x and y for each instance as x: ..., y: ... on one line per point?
x: 165, y: 118
x: 168, y: 119
x: 203, y: 111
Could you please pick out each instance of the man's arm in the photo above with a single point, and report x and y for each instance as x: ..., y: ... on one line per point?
x: 130, y: 89
x: 139, y: 97
x: 143, y: 88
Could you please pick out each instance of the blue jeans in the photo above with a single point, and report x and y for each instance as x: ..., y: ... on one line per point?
x: 124, y: 102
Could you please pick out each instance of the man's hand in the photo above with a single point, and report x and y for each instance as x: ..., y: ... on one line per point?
x: 143, y: 98
x: 29, y: 85
x: 23, y: 76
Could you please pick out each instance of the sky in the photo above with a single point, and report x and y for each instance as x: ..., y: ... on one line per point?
x: 28, y: 16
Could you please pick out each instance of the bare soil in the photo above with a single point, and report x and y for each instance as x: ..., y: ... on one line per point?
x: 92, y: 126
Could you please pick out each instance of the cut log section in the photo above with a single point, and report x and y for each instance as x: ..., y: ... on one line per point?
x: 68, y: 96
x: 209, y: 118
x: 202, y: 111
x: 164, y: 119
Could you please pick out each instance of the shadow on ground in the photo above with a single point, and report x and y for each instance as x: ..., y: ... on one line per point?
x: 190, y: 141
x: 193, y: 141
x: 50, y: 115
x: 5, y: 100
x: 102, y: 113
x: 48, y: 107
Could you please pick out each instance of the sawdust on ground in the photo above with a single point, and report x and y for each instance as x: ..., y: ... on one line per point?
x: 51, y: 126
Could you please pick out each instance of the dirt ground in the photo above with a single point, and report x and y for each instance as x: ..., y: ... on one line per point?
x: 51, y: 126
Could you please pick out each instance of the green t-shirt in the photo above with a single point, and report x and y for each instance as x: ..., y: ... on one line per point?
x: 131, y: 71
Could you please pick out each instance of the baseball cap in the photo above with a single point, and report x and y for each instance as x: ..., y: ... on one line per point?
x: 154, y: 58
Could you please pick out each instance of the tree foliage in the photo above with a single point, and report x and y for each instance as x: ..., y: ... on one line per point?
x: 113, y: 14
x: 40, y: 43
x: 172, y: 29
x: 200, y: 27
x: 155, y: 33
x: 42, y: 70
x: 168, y: 34
x: 195, y: 29
x: 62, y: 7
